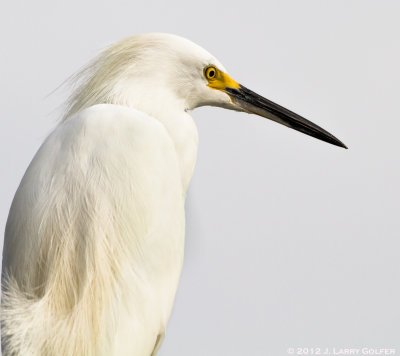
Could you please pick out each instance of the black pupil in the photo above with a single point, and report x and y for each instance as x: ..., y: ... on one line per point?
x: 211, y: 73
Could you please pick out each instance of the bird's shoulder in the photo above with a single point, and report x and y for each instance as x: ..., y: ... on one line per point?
x: 104, y: 146
x: 108, y: 133
x: 106, y: 121
x: 109, y: 140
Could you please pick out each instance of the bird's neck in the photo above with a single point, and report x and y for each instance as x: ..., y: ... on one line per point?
x: 166, y: 108
x: 183, y: 132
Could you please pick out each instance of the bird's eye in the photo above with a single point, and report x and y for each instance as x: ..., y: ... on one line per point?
x: 210, y: 72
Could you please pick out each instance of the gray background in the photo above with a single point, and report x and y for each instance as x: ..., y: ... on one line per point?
x: 291, y: 242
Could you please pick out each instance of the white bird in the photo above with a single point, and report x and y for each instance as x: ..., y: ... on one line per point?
x: 95, y: 235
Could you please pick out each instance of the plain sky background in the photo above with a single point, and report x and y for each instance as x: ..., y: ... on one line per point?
x: 291, y: 242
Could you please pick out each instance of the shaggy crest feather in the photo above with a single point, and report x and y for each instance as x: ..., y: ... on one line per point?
x: 137, y: 60
x: 94, y: 83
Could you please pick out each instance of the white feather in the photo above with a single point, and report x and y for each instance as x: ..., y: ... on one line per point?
x: 95, y: 236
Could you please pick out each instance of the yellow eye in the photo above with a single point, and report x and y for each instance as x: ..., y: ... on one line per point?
x: 210, y: 72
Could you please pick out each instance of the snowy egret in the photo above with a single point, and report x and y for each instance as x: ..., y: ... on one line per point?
x: 94, y: 239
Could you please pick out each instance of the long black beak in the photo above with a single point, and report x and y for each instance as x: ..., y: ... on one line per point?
x: 256, y: 104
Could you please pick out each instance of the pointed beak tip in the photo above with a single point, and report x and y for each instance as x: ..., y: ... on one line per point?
x: 340, y: 144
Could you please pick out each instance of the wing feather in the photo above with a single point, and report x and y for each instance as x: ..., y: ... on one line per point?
x: 100, y: 207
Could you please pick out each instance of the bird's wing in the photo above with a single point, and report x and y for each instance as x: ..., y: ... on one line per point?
x: 99, y: 211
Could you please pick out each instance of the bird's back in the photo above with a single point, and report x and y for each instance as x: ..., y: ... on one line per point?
x: 94, y: 239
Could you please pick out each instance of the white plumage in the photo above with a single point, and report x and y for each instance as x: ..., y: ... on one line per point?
x: 95, y: 236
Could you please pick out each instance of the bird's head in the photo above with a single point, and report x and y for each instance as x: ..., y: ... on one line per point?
x: 163, y: 73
